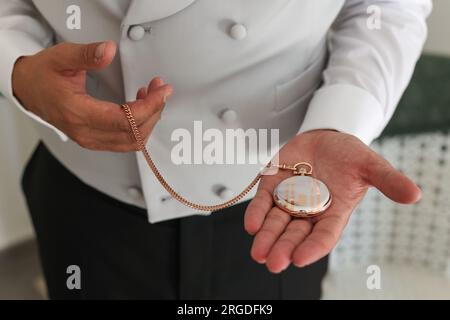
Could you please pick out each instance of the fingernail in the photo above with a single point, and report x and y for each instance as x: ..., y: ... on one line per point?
x: 166, y: 96
x: 100, y: 51
x: 301, y: 265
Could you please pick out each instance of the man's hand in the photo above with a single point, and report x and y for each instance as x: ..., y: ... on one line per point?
x: 52, y: 85
x: 348, y: 168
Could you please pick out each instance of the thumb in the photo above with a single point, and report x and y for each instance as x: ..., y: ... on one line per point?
x: 391, y: 182
x: 94, y: 56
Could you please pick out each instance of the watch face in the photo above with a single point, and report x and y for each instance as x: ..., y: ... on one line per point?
x: 302, y: 196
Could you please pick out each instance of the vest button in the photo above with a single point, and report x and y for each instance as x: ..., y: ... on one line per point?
x: 238, y: 32
x: 229, y: 116
x: 136, y: 33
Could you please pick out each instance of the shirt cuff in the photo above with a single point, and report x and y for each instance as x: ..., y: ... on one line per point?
x: 345, y: 108
x: 18, y: 44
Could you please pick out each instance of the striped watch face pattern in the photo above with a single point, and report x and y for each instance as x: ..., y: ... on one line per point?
x: 302, y: 196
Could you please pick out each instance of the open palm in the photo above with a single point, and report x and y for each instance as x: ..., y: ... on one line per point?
x: 348, y: 167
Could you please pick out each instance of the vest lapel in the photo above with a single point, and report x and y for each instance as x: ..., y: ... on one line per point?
x: 141, y: 11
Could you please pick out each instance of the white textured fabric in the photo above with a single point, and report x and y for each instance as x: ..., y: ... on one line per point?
x: 411, y: 244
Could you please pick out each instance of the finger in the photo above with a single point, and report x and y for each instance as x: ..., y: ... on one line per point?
x: 100, y: 140
x: 94, y: 56
x: 108, y: 117
x: 98, y: 114
x: 257, y: 210
x: 155, y: 84
x: 103, y: 115
x: 261, y: 204
x: 391, y: 182
x: 142, y: 93
x: 322, y: 239
x: 274, y: 225
x: 125, y: 140
x: 147, y: 127
x: 153, y: 103
x: 280, y: 256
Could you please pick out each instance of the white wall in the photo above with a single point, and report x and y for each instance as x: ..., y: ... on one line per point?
x: 17, y: 140
x: 439, y: 29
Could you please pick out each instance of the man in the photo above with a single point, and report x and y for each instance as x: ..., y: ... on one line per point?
x: 328, y: 74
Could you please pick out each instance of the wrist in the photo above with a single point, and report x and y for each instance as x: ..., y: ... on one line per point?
x: 318, y: 132
x: 17, y: 77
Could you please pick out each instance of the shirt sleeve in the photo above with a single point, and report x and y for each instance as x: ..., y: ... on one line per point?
x: 23, y: 32
x: 374, y: 46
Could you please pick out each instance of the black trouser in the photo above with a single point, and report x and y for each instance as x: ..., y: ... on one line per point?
x: 122, y: 256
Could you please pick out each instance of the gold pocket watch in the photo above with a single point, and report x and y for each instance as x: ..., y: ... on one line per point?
x: 302, y: 196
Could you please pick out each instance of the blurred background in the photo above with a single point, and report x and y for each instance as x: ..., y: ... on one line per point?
x: 409, y: 244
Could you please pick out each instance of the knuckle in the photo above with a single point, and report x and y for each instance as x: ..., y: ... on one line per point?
x: 59, y: 51
x: 70, y: 120
x: 296, y: 231
x: 327, y: 241
x: 85, y: 55
x: 67, y: 116
x: 83, y: 140
x: 322, y: 245
x: 258, y: 207
x: 61, y: 47
x: 287, y: 241
x: 252, y: 212
x: 276, y: 218
x: 91, y: 145
x: 156, y: 103
x: 267, y: 233
x: 300, y: 225
x: 142, y: 117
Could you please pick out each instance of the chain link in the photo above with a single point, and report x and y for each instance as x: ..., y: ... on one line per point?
x: 210, y: 208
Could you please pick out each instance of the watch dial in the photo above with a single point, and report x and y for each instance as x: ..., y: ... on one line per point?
x: 302, y: 196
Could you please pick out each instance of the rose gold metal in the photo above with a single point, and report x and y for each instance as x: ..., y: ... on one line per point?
x: 301, y: 168
x: 309, y: 214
